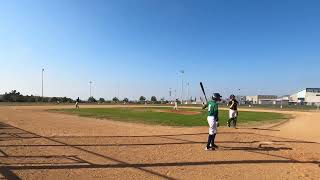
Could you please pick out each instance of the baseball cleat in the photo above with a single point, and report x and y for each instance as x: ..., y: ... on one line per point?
x: 209, y: 149
x: 215, y: 146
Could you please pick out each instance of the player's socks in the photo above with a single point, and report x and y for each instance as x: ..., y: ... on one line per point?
x: 210, y: 138
x: 213, y: 138
x: 235, y: 122
x: 213, y: 144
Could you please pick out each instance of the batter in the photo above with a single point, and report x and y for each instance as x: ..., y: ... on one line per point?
x: 213, y: 118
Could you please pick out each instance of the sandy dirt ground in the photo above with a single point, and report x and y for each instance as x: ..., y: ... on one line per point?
x: 35, y: 144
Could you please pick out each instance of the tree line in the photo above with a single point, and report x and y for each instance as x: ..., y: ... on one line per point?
x: 141, y: 100
x: 15, y: 96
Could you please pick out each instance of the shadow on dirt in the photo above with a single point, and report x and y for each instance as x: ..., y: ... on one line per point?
x: 261, y: 129
x: 12, y: 162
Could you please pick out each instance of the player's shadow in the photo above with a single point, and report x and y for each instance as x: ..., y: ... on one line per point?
x: 261, y: 148
x: 61, y: 141
x: 223, y: 148
x: 260, y: 129
x: 7, y: 169
x: 172, y: 164
x: 138, y: 136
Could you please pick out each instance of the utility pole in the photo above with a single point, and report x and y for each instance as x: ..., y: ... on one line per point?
x: 90, y: 88
x: 42, y: 83
x: 239, y: 96
x: 182, y: 72
x: 188, y: 91
x: 118, y: 93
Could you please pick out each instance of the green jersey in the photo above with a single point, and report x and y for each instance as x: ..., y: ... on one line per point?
x: 213, y: 109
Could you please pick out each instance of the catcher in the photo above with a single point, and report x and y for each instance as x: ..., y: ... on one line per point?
x: 233, y: 111
x: 213, y: 118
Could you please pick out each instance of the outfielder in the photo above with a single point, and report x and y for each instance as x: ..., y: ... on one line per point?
x: 213, y: 118
x: 77, y: 103
x: 233, y: 111
x: 176, y: 105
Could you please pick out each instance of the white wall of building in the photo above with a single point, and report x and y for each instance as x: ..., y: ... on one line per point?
x: 312, y: 98
x: 302, y: 94
x: 253, y: 99
x: 308, y: 96
x: 262, y: 99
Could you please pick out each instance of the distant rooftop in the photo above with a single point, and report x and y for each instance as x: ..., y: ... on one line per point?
x: 316, y: 90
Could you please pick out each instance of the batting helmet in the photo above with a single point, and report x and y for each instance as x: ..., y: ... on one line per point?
x: 216, y: 96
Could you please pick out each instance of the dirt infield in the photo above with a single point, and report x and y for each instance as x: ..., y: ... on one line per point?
x: 35, y: 144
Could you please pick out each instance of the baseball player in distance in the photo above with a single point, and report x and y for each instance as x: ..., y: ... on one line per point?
x: 77, y: 103
x: 233, y: 111
x: 176, y: 104
x: 213, y: 118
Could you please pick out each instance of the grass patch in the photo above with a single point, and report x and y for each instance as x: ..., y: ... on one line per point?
x: 150, y: 116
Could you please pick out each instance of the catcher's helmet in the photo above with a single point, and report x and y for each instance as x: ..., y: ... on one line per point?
x: 232, y: 96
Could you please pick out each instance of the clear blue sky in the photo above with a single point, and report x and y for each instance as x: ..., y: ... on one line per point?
x: 139, y: 46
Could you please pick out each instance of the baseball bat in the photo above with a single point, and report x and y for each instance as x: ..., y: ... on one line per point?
x: 204, y: 93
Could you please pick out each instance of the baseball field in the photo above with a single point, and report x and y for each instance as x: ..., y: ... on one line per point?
x: 135, y: 142
x: 166, y: 116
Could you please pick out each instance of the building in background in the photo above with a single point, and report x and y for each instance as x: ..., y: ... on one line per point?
x: 283, y: 100
x: 308, y: 96
x: 240, y: 99
x: 262, y: 99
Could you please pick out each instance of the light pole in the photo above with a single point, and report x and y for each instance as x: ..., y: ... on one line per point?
x: 188, y: 91
x: 240, y: 96
x: 170, y: 92
x: 42, y: 83
x: 118, y: 92
x: 90, y: 82
x: 182, y: 72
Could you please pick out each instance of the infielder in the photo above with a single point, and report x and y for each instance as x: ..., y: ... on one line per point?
x: 213, y: 118
x: 233, y: 111
x: 77, y: 103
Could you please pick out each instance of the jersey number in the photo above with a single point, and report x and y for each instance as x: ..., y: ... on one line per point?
x: 209, y: 108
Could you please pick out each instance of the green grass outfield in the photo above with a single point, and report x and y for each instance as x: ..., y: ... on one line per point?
x: 150, y: 116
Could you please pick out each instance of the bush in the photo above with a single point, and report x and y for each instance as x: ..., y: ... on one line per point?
x: 153, y: 99
x: 92, y: 100
x: 115, y: 100
x: 142, y: 98
x: 125, y: 100
x: 54, y: 99
x: 102, y: 100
